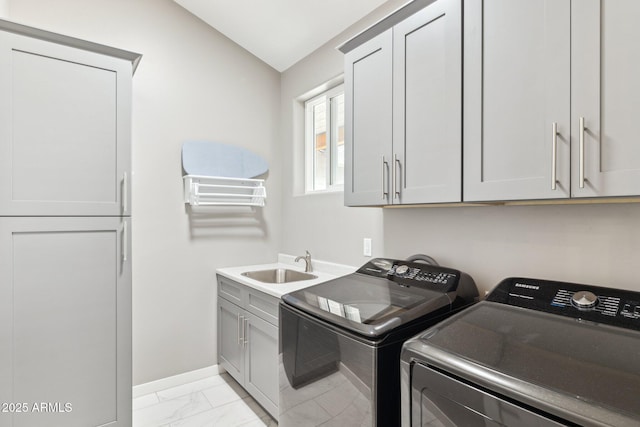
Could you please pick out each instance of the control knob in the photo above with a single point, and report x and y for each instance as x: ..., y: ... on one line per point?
x: 402, y: 269
x: 584, y: 300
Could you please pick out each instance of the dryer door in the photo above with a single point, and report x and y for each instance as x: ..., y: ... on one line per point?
x: 440, y: 400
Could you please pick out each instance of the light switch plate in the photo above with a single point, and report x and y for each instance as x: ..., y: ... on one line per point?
x: 366, y: 247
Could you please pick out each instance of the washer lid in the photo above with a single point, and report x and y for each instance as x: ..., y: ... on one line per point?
x: 368, y: 305
x: 581, y: 371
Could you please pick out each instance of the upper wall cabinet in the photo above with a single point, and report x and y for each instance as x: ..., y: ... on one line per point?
x: 403, y: 111
x: 65, y: 129
x: 517, y: 99
x: 605, y: 98
x: 551, y: 97
x: 368, y: 121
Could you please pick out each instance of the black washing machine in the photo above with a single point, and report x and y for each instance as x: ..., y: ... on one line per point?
x: 341, y: 340
x: 535, y: 353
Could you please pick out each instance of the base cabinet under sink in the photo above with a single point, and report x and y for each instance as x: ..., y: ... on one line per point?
x: 248, y: 340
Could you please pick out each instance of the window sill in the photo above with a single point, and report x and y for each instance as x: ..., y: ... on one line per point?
x: 339, y: 190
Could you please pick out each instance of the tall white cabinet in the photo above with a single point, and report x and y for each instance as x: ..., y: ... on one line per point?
x: 65, y: 247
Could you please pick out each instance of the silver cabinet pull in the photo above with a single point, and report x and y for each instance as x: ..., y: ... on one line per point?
x: 125, y: 242
x: 554, y: 155
x: 582, y: 128
x: 240, y: 329
x: 396, y: 161
x: 385, y: 168
x: 125, y: 193
x: 245, y: 335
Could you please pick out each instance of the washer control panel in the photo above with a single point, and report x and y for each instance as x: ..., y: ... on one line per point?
x: 598, y: 304
x: 432, y: 274
x: 412, y: 273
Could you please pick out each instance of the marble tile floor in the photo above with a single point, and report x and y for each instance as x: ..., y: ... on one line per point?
x: 213, y: 401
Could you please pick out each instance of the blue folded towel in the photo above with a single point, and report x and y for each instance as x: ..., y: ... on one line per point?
x: 216, y: 159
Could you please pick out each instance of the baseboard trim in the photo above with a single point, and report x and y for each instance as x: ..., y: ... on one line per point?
x: 176, y: 380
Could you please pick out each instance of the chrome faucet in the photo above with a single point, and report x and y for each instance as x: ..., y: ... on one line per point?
x: 307, y: 260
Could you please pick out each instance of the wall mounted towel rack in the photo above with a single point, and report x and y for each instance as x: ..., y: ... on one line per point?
x: 223, y: 191
x: 222, y: 175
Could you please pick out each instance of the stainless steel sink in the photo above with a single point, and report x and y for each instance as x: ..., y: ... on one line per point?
x: 278, y: 275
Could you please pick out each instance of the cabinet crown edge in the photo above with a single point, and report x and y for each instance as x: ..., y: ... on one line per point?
x: 24, y: 30
x: 395, y: 17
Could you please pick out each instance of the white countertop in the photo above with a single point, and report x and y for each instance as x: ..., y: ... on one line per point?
x: 322, y: 269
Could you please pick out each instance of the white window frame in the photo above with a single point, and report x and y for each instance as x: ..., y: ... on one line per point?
x: 332, y: 140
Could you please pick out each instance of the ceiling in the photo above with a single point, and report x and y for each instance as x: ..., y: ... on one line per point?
x: 280, y: 32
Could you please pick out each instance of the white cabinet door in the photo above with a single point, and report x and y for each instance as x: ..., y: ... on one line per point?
x: 261, y: 362
x: 427, y: 105
x: 65, y: 321
x: 65, y: 130
x: 248, y: 340
x: 517, y: 91
x: 231, y: 339
x: 606, y: 96
x: 368, y: 122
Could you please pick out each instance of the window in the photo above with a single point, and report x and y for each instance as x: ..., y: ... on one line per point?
x: 324, y: 141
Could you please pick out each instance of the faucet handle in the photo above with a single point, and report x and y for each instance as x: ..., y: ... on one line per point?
x: 307, y: 261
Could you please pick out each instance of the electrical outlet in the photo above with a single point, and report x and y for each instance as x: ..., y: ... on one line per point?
x: 366, y: 247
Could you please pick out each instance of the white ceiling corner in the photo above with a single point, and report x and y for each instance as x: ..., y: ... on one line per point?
x: 280, y: 32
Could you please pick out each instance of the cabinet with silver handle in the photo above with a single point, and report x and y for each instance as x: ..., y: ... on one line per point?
x: 248, y: 340
x: 605, y: 98
x: 65, y: 126
x: 516, y: 100
x: 65, y: 290
x: 65, y: 227
x: 403, y: 91
x: 368, y: 127
x: 563, y: 67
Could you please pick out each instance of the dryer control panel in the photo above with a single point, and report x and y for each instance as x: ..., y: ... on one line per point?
x: 615, y: 307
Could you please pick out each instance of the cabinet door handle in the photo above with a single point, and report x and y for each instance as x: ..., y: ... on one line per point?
x: 240, y: 329
x: 125, y: 193
x: 582, y: 128
x: 125, y: 242
x: 385, y: 187
x: 554, y: 155
x: 245, y: 335
x: 396, y: 161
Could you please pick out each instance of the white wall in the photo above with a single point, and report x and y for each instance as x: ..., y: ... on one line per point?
x: 4, y: 9
x: 593, y: 244
x: 192, y: 83
x: 321, y: 223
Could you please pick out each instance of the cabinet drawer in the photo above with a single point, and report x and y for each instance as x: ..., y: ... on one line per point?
x: 264, y: 306
x: 230, y: 290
